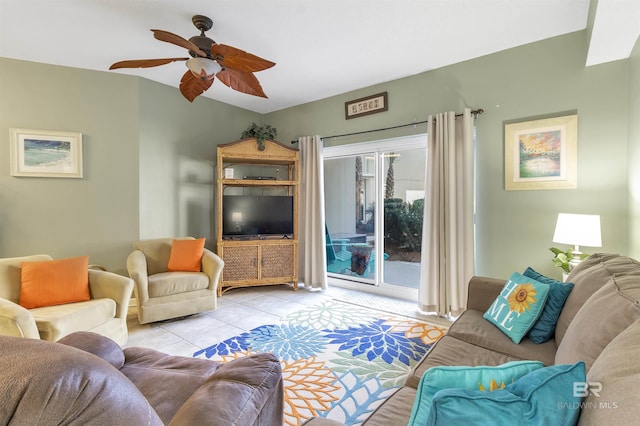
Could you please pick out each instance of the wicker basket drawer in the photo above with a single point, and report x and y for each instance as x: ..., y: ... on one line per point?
x: 277, y: 261
x: 240, y: 263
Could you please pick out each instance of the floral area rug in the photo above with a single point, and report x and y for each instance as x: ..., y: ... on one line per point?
x: 339, y: 361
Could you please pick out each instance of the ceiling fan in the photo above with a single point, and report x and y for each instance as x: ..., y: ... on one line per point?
x: 232, y: 66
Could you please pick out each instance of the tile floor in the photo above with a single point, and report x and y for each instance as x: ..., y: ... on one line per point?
x: 241, y: 310
x: 238, y: 311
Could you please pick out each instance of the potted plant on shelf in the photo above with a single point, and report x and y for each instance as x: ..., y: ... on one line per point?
x: 260, y: 133
x: 561, y: 259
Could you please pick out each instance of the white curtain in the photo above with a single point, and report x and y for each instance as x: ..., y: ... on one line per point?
x: 448, y: 261
x: 312, y: 253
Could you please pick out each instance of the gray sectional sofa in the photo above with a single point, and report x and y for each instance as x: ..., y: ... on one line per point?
x: 599, y: 325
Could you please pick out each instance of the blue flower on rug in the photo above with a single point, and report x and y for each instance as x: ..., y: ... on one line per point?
x: 361, y: 397
x: 226, y: 347
x: 375, y: 340
x: 339, y: 361
x: 331, y: 315
x: 287, y: 341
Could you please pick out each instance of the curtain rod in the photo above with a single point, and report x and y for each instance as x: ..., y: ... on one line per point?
x: 475, y: 113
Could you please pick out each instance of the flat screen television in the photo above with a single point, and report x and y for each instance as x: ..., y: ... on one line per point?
x: 253, y: 215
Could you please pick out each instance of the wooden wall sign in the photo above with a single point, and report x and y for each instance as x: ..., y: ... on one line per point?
x: 365, y: 106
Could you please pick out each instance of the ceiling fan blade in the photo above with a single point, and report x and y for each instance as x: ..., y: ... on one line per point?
x: 178, y: 41
x: 144, y: 63
x: 191, y: 86
x: 239, y: 59
x: 244, y: 82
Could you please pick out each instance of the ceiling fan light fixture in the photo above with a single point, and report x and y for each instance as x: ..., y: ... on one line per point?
x: 205, y: 63
x: 204, y: 68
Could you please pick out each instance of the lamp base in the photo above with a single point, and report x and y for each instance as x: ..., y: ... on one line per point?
x: 576, y: 258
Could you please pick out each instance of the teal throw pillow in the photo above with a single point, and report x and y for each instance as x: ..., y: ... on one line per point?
x: 518, y: 306
x: 486, y: 378
x: 544, y: 328
x: 543, y: 397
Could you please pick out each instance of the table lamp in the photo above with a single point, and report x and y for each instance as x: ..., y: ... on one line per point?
x: 578, y: 230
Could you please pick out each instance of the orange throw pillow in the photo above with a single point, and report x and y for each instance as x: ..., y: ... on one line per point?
x: 54, y: 282
x: 186, y: 255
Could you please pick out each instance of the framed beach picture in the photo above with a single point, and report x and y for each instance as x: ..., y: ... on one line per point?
x: 45, y: 153
x: 541, y: 154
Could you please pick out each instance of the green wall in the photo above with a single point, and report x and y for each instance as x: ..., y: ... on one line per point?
x: 96, y: 215
x: 148, y: 154
x: 148, y: 157
x: 177, y: 158
x: 634, y: 152
x: 514, y: 228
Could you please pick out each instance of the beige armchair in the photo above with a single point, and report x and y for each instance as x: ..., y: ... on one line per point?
x: 105, y: 313
x: 164, y: 295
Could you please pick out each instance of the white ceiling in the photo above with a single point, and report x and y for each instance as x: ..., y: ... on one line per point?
x: 321, y: 47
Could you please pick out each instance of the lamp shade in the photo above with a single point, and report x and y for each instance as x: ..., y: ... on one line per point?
x: 578, y: 230
x: 203, y: 67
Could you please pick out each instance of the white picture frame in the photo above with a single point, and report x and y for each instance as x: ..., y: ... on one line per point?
x: 553, y: 157
x: 45, y: 153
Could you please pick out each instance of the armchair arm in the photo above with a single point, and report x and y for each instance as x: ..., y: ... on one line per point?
x: 244, y: 391
x: 482, y: 292
x: 16, y: 321
x: 96, y: 344
x: 212, y: 265
x: 104, y: 284
x: 137, y: 267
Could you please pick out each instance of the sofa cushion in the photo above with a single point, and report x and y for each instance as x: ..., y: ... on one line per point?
x: 394, y: 410
x: 243, y: 389
x: 543, y: 329
x: 45, y: 383
x: 518, y: 306
x: 168, y: 283
x: 452, y: 351
x: 588, y: 277
x: 54, y: 282
x: 480, y: 377
x: 96, y: 344
x: 542, y: 397
x: 614, y: 377
x: 606, y: 314
x: 186, y: 255
x: 54, y: 322
x: 166, y: 381
x: 473, y: 328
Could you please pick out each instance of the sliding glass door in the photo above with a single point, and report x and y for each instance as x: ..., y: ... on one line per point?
x: 374, y: 198
x: 350, y: 197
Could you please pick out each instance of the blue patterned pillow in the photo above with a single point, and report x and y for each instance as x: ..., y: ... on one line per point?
x: 542, y: 397
x: 544, y: 328
x: 518, y: 306
x: 473, y: 378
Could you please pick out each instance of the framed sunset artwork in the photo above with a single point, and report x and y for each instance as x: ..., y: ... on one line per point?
x: 541, y: 154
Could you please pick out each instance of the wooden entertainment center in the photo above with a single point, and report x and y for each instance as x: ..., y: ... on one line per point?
x: 243, y: 168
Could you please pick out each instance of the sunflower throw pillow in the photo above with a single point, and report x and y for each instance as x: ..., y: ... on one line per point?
x: 518, y: 306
